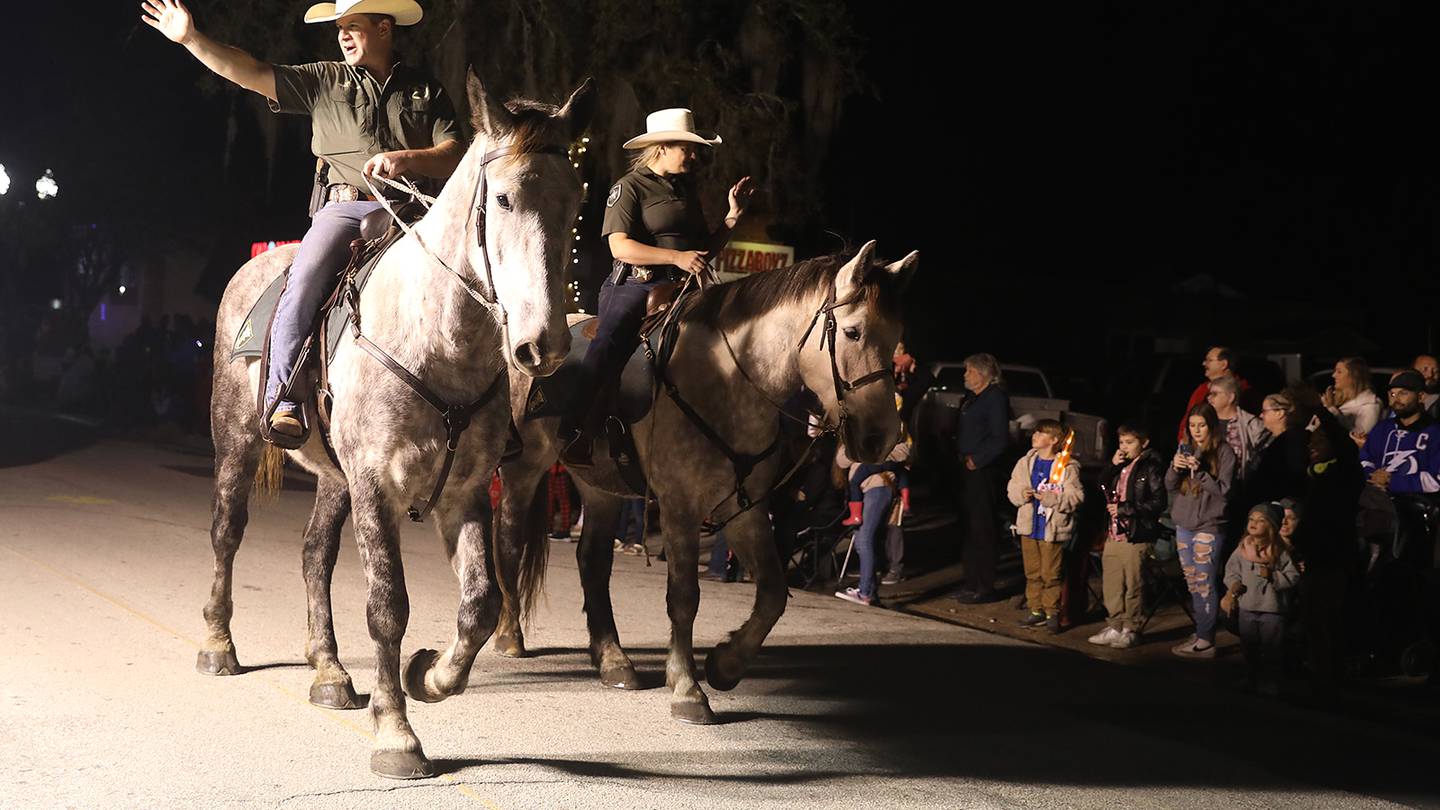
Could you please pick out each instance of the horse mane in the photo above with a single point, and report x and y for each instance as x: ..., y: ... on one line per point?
x: 742, y: 300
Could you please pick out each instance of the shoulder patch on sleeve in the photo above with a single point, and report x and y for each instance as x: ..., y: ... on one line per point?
x: 614, y: 195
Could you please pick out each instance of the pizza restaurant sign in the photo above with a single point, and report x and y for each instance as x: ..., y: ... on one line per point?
x: 740, y: 259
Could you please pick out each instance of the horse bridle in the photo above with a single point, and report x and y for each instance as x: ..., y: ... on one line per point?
x: 492, y: 299
x: 456, y: 417
x: 842, y: 385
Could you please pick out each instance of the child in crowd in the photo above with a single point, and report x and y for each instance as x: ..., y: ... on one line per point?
x: 1257, y: 576
x: 861, y: 472
x: 1135, y: 491
x: 1046, y: 488
x: 1199, y: 482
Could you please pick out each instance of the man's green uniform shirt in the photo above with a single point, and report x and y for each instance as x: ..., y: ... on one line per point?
x: 353, y: 117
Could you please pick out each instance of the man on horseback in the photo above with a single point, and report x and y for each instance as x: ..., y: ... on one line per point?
x: 372, y: 115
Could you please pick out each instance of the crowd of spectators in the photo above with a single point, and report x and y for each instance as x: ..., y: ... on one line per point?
x: 1285, y: 523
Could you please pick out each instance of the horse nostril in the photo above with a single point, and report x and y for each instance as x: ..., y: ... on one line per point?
x: 528, y: 355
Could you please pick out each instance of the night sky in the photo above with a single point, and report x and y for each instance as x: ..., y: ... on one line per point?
x: 1064, y: 163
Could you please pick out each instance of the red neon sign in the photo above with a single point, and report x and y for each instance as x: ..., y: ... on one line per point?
x: 256, y: 248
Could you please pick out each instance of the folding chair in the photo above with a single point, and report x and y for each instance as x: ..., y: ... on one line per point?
x: 1161, y: 582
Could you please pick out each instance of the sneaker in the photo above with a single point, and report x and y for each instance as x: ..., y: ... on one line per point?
x: 1052, y: 625
x: 1125, y: 639
x: 286, y: 420
x: 1105, y: 638
x: 1032, y: 620
x: 1186, y: 644
x: 1196, y: 649
x: 854, y: 595
x: 891, y: 578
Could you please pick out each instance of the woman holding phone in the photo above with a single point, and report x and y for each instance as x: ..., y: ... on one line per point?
x: 1199, y: 482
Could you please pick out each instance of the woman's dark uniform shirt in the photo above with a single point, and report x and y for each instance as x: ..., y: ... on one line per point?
x: 662, y: 212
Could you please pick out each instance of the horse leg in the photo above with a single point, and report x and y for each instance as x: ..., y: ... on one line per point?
x: 595, y: 555
x: 518, y: 523
x: 688, y: 704
x: 237, y: 455
x: 430, y: 676
x: 397, y: 753
x: 752, y: 540
x: 332, y: 688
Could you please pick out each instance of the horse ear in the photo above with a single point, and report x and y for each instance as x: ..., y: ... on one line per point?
x: 905, y: 268
x: 579, y: 108
x: 488, y: 116
x: 852, y: 273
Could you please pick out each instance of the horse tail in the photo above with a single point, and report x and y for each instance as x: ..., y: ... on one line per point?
x: 534, y: 541
x: 270, y: 474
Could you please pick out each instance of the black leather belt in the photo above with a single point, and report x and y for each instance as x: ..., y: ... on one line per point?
x: 623, y: 272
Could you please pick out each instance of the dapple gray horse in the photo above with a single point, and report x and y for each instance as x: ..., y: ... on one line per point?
x: 776, y: 324
x: 429, y: 305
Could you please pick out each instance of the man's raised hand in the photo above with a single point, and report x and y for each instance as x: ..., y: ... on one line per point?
x: 169, y: 17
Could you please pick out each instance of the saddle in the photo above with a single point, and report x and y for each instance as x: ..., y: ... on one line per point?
x: 626, y: 401
x: 308, y: 384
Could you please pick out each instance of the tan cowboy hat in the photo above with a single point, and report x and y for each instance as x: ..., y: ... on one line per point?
x: 668, y: 126
x: 405, y: 12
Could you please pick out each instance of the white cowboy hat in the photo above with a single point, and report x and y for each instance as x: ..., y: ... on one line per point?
x: 405, y: 12
x: 668, y: 126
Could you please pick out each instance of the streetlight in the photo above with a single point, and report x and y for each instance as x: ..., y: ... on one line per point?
x: 46, y: 187
x: 4, y: 180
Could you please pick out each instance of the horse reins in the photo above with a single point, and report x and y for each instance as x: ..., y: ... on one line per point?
x: 456, y: 417
x: 745, y: 463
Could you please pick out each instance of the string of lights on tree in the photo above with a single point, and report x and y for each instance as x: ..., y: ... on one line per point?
x: 577, y: 152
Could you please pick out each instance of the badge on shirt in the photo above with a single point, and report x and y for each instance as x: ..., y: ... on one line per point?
x: 614, y: 195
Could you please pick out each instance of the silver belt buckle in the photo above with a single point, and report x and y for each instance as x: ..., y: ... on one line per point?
x: 343, y: 192
x: 643, y: 274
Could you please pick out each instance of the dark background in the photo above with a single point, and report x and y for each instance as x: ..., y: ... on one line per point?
x: 1080, y: 181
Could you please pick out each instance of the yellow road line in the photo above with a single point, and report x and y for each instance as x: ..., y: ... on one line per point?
x: 304, y: 700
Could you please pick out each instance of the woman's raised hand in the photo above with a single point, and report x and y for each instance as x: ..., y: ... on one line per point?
x: 740, y: 195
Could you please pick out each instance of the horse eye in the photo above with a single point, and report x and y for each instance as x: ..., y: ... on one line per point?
x: 852, y: 333
x: 504, y: 200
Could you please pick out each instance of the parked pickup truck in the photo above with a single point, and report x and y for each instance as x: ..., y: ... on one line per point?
x: 1031, y: 399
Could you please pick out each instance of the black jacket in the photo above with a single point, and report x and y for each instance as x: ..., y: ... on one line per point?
x: 1139, y: 513
x: 984, y: 426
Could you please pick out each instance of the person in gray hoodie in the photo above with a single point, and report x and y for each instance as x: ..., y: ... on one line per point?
x: 1199, y: 482
x: 1257, y: 577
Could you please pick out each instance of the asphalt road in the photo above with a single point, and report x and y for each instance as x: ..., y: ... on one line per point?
x: 105, y: 563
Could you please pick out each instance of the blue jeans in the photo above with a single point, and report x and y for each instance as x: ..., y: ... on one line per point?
x: 323, y: 254
x: 632, y: 522
x: 622, y: 309
x: 875, y: 512
x: 1200, y: 560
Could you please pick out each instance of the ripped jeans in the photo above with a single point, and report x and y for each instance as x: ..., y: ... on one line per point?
x: 1200, y: 554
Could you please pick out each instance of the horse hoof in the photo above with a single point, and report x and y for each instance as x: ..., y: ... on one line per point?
x: 210, y: 662
x: 696, y: 714
x: 413, y: 680
x: 621, y: 677
x: 334, y: 695
x: 401, y: 765
x: 715, y: 676
x: 510, y: 646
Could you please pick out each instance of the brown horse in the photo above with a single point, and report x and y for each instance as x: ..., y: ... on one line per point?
x: 457, y: 335
x: 828, y: 325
